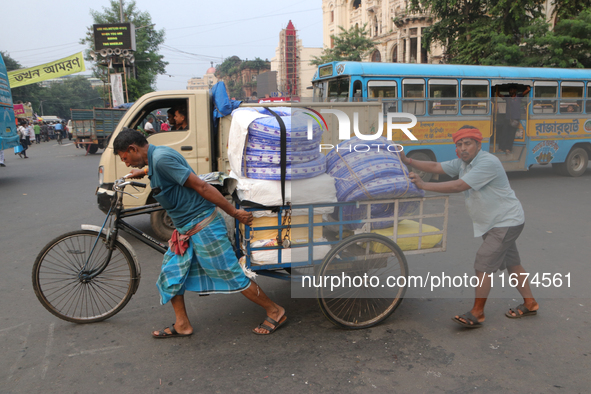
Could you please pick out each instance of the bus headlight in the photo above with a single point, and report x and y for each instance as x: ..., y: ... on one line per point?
x: 101, y: 174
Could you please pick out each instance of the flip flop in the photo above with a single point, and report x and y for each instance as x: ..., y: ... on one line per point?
x: 275, y: 324
x: 520, y: 308
x: 173, y: 333
x: 469, y: 317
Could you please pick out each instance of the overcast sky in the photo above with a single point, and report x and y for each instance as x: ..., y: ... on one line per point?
x: 41, y: 31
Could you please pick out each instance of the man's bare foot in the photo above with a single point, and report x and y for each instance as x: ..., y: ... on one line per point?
x: 272, y: 322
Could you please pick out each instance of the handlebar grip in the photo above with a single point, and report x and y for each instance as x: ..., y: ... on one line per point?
x: 138, y: 184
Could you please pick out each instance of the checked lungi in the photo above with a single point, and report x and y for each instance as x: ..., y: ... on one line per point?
x: 209, y: 265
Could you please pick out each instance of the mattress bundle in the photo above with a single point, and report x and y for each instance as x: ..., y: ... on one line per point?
x: 368, y: 170
x: 261, y: 158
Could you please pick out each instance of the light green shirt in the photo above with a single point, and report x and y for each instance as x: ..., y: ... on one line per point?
x: 490, y: 200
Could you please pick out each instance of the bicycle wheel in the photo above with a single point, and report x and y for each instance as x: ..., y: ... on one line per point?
x: 64, y: 288
x: 367, y: 267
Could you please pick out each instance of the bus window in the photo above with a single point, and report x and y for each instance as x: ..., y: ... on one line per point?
x: 357, y: 90
x: 319, y: 91
x: 439, y: 91
x: 571, y: 94
x: 588, y: 105
x: 547, y: 90
x: 413, y: 92
x: 386, y: 91
x: 474, y: 97
x: 338, y: 90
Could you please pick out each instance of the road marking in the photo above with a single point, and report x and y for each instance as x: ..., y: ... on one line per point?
x: 22, y: 353
x: 11, y: 328
x: 47, y: 350
x: 95, y: 351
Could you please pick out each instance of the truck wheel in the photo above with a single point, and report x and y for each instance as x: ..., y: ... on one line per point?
x: 425, y: 176
x: 93, y: 148
x: 161, y: 225
x: 576, y: 162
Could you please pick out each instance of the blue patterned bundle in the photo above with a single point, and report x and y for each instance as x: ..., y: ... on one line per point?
x: 371, y: 175
x: 263, y: 147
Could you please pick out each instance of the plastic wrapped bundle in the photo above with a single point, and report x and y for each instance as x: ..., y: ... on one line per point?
x: 262, y: 159
x: 311, y: 169
x: 372, y: 174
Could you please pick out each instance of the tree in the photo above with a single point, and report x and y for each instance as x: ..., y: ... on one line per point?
x: 568, y: 45
x: 75, y: 92
x: 148, y: 62
x: 230, y: 72
x: 568, y: 9
x: 351, y: 45
x: 481, y: 31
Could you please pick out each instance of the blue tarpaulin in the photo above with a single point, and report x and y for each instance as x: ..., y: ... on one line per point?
x: 223, y: 106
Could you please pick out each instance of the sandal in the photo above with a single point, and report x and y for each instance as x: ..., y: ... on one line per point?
x: 173, y: 333
x: 275, y: 324
x: 520, y: 311
x: 471, y: 320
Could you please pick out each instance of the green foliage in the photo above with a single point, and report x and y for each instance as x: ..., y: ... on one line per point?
x: 568, y: 9
x: 352, y: 45
x: 473, y: 32
x: 229, y: 67
x: 148, y: 62
x: 75, y: 92
x: 511, y: 33
x: 256, y: 64
x: 568, y: 45
x: 229, y: 71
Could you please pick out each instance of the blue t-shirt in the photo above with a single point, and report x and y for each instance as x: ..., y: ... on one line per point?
x: 490, y: 200
x: 168, y: 171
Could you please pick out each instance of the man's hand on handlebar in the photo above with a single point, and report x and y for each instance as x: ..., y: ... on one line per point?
x: 135, y: 174
x: 243, y: 217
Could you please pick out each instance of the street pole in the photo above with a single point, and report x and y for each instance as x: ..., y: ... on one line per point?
x: 121, y: 10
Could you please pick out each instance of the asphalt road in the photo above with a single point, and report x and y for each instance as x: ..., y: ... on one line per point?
x: 418, y: 349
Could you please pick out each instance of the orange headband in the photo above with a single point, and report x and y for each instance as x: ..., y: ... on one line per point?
x: 475, y: 134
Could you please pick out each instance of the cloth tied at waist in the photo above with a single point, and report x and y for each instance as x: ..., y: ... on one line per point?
x: 179, y: 243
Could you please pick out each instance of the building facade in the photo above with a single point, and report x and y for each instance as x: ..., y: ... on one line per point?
x: 397, y: 33
x: 206, y: 82
x: 292, y: 64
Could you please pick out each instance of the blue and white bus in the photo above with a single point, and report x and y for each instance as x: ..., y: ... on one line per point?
x: 8, y: 135
x: 554, y: 124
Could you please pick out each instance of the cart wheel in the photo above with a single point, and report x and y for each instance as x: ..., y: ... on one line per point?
x: 371, y: 295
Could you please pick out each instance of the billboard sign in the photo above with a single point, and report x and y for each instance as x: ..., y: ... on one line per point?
x: 113, y: 36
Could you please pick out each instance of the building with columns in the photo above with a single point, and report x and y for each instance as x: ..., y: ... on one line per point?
x: 208, y: 80
x: 396, y: 32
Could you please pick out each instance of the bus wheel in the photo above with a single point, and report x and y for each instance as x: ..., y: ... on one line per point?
x: 576, y: 162
x: 425, y: 176
x: 161, y: 225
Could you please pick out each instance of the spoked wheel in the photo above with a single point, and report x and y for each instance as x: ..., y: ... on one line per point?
x: 373, y: 263
x: 71, y: 293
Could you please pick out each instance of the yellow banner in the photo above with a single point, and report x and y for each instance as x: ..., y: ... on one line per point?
x: 26, y: 76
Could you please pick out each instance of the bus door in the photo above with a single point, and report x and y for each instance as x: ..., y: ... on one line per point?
x: 510, y: 116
